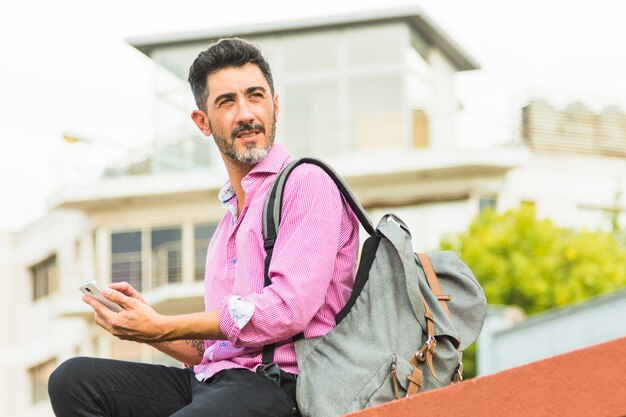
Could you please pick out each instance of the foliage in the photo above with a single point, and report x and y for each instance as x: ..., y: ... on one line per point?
x: 535, y: 264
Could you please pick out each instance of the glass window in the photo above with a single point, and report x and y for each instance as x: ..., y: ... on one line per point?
x: 172, y: 106
x: 172, y: 109
x: 313, y: 120
x: 383, y: 44
x: 376, y: 112
x: 174, y: 100
x: 311, y: 51
x: 166, y: 256
x: 39, y: 380
x: 44, y: 277
x: 176, y: 60
x: 418, y: 82
x: 126, y: 258
x: 419, y: 43
x: 486, y: 202
x: 202, y: 236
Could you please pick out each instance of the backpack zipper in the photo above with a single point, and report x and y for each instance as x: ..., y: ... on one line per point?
x: 394, y: 375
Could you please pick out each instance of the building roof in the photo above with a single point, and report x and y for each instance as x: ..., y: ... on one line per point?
x: 414, y: 15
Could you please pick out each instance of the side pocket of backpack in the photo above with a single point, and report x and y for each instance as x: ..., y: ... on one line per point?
x: 380, y: 387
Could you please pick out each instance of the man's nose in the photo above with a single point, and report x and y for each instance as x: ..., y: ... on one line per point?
x: 244, y: 113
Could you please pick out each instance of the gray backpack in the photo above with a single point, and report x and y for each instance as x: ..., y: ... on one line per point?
x: 403, y: 329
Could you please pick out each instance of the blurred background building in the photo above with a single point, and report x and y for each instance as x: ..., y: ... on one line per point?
x: 373, y: 94
x: 508, y: 339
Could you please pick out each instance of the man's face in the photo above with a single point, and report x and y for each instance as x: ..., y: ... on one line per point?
x: 241, y: 113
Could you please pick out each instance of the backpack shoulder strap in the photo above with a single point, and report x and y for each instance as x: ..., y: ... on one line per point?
x: 272, y: 217
x: 274, y: 200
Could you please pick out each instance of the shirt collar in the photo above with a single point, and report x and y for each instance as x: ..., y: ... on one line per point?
x: 275, y: 160
x: 226, y: 193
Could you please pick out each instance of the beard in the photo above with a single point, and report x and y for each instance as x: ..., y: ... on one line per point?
x: 252, y: 154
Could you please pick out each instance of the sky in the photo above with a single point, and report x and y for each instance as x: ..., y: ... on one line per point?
x: 65, y: 68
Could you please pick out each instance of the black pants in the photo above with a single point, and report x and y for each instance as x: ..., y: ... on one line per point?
x: 103, y: 387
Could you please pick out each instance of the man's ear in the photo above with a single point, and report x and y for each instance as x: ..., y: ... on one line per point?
x: 202, y: 121
x: 275, y: 107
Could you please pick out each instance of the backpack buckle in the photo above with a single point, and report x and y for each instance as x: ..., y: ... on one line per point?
x: 431, y: 344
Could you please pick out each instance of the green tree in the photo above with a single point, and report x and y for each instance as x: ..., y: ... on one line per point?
x: 535, y: 264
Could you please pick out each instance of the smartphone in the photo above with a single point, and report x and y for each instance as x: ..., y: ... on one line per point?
x: 92, y: 288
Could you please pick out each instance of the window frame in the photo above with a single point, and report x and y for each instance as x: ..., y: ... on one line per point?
x: 39, y: 393
x: 50, y: 283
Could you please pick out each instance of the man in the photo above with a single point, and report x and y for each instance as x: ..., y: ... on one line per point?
x: 312, y: 273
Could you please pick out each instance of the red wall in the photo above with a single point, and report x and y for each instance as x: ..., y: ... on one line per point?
x: 586, y: 382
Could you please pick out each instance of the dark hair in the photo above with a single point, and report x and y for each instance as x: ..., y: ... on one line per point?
x: 225, y: 53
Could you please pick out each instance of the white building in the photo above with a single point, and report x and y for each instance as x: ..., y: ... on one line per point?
x: 371, y: 93
x: 508, y: 340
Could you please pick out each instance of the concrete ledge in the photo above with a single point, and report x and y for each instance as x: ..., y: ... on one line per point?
x: 586, y: 382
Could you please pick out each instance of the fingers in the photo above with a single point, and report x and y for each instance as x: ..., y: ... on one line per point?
x: 96, y: 305
x: 107, y: 319
x: 119, y: 286
x: 103, y: 315
x: 119, y: 298
x: 127, y: 289
x: 135, y: 322
x: 123, y: 287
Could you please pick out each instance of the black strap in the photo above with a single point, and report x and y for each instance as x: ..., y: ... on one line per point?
x: 268, y: 350
x: 273, y: 204
x: 367, y: 259
x: 270, y: 223
x: 268, y: 353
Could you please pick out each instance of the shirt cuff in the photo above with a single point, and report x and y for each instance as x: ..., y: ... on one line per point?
x: 234, y: 315
x: 240, y: 311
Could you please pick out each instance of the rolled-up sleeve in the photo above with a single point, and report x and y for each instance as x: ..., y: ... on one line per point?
x: 302, y: 264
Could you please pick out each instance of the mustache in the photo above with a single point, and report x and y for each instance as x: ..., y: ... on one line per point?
x: 246, y: 126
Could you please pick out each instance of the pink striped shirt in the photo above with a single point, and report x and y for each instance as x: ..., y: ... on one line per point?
x: 312, y: 269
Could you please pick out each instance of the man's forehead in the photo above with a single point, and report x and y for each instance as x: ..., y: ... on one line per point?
x: 233, y: 79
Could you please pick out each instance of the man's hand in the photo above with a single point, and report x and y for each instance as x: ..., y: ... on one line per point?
x: 137, y: 321
x: 180, y: 336
x: 128, y: 290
